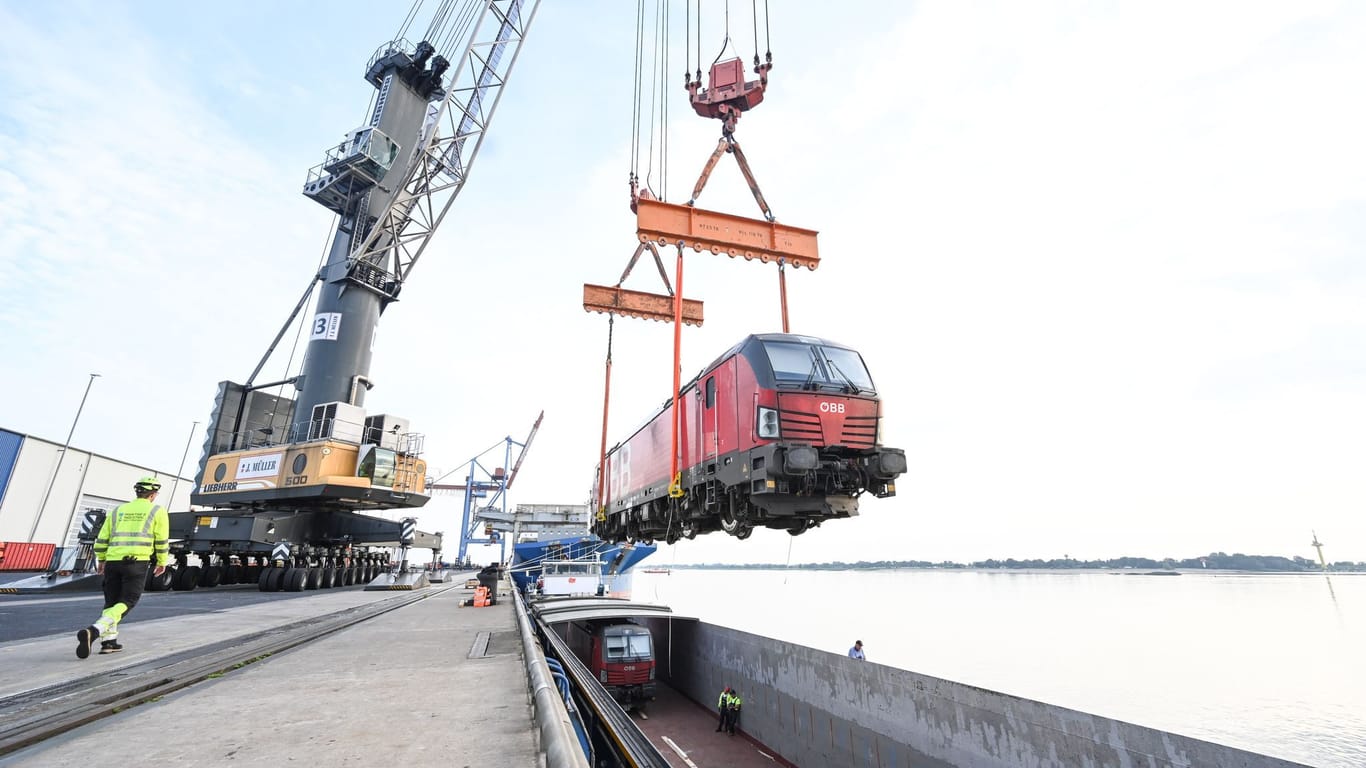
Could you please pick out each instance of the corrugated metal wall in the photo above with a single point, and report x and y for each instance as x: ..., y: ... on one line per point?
x: 9, y: 454
x: 22, y: 556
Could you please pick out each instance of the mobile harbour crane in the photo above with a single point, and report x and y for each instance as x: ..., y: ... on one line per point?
x: 293, y: 484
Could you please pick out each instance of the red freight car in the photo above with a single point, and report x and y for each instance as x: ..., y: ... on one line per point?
x: 782, y: 431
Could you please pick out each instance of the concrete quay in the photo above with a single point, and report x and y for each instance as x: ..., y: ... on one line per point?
x: 428, y: 684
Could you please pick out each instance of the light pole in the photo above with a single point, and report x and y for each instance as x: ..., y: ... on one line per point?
x: 41, y: 507
x: 181, y: 469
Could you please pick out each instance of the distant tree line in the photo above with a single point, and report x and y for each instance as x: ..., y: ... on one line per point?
x: 1215, y: 561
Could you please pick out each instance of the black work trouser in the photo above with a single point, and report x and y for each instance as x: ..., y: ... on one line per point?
x: 124, y: 582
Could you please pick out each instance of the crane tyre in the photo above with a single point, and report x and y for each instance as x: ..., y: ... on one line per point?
x: 210, y: 576
x: 315, y: 575
x: 329, y: 578
x: 232, y: 574
x: 267, y: 576
x: 294, y: 579
x: 187, y: 578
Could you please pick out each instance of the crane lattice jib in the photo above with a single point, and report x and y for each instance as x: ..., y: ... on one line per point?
x: 441, y: 160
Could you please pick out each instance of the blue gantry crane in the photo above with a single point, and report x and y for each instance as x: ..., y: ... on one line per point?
x: 487, y: 488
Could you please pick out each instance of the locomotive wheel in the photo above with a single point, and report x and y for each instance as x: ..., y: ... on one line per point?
x: 731, y: 525
x: 689, y: 530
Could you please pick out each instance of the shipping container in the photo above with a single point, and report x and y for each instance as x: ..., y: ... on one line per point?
x: 25, y: 556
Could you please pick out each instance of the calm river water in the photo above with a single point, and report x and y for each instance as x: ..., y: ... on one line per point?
x: 1271, y: 663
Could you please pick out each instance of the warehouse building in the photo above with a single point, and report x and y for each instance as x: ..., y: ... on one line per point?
x: 34, y: 519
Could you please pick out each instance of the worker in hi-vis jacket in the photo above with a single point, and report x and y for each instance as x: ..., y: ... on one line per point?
x: 132, y: 537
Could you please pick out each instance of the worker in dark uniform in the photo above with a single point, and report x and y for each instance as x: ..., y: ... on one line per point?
x: 723, y: 709
x: 133, y: 536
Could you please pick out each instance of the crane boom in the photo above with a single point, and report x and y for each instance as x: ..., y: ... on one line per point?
x: 442, y: 160
x: 512, y: 478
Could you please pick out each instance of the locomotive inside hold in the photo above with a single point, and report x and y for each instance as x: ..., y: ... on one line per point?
x: 782, y: 431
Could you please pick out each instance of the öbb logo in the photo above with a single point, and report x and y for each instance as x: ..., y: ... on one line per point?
x: 832, y: 407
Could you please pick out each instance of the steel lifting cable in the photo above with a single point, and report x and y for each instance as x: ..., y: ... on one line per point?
x: 768, y: 40
x: 635, y: 96
x: 699, y: 41
x: 457, y: 33
x: 687, y: 40
x: 664, y: 105
x: 754, y: 20
x: 438, y: 20
x: 725, y: 42
x: 656, y: 95
x: 412, y: 13
x: 289, y: 364
x: 602, y: 448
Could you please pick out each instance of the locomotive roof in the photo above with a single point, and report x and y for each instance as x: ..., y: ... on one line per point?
x: 590, y: 608
x: 789, y: 337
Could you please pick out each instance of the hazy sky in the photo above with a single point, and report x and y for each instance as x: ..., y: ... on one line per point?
x: 1104, y: 261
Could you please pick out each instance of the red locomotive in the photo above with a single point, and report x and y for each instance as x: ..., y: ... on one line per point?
x: 782, y: 431
x: 620, y: 654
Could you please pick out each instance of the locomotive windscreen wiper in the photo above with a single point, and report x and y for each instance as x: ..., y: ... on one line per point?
x: 810, y: 382
x: 852, y: 387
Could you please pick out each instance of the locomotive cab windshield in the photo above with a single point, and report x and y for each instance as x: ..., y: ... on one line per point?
x: 627, y: 642
x: 817, y: 366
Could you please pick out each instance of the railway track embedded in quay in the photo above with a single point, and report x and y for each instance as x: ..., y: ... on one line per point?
x: 32, y: 716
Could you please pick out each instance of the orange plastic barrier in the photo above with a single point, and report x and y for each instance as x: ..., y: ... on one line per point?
x: 703, y: 230
x: 22, y: 556
x: 646, y: 306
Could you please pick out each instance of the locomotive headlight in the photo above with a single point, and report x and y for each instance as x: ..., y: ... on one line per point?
x: 768, y: 423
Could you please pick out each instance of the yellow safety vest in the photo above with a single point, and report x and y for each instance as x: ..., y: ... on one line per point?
x: 137, y: 529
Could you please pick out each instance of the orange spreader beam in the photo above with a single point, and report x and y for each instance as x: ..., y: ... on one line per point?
x: 646, y: 306
x: 703, y: 230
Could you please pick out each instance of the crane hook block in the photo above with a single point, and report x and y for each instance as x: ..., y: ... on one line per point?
x: 703, y: 230
x: 729, y: 94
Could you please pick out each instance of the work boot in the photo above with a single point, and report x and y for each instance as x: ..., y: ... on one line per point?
x: 110, y: 646
x: 84, y: 638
